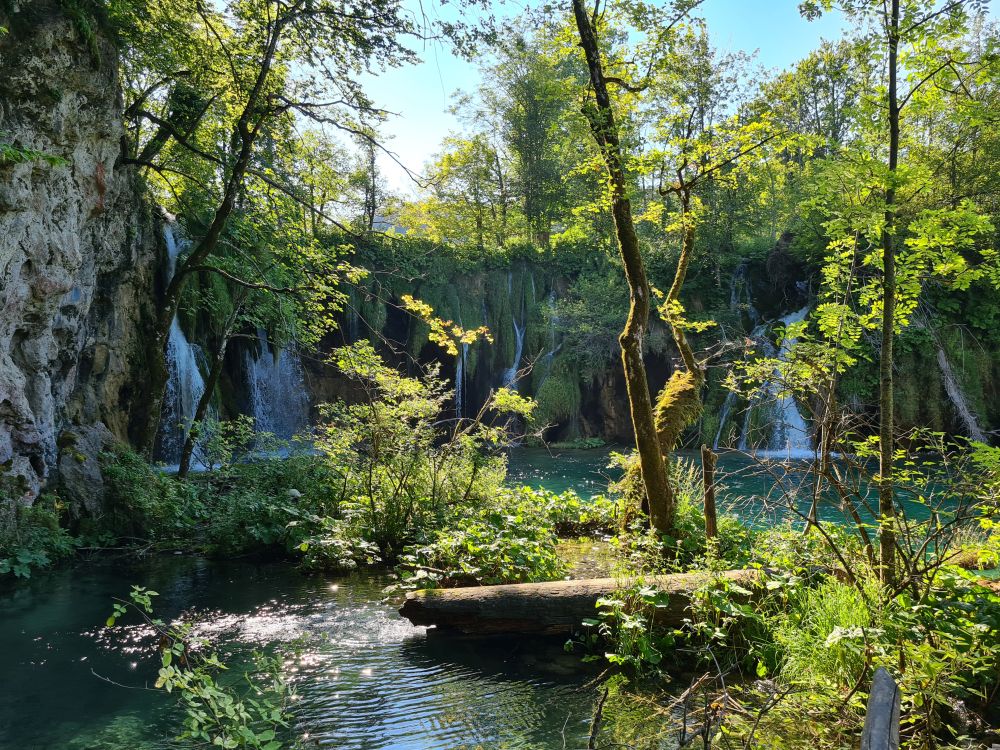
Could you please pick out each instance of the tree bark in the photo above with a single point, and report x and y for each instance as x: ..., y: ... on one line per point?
x: 683, y: 262
x: 886, y: 490
x: 708, y: 483
x: 553, y: 607
x: 605, y: 131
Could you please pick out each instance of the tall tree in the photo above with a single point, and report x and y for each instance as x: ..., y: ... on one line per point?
x: 915, y: 42
x: 599, y: 111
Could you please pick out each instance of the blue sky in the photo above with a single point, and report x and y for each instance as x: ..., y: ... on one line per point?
x: 420, y: 94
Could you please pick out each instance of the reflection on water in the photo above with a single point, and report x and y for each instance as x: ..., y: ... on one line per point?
x: 365, y: 678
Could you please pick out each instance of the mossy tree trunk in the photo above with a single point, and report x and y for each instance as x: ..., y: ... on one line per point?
x: 600, y: 116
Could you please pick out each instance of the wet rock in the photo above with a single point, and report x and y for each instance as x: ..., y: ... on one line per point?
x: 81, y: 484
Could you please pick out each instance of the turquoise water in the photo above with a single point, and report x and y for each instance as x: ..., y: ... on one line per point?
x: 366, y: 679
x: 584, y: 470
x: 759, y: 492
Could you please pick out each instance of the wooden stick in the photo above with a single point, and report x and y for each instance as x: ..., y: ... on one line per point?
x: 708, y: 481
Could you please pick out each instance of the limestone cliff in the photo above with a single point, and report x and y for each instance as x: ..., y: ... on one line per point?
x: 78, y: 253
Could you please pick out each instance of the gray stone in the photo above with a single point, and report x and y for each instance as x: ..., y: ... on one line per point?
x: 79, y: 248
x: 81, y: 484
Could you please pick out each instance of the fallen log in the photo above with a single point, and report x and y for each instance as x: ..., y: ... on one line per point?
x: 554, y: 607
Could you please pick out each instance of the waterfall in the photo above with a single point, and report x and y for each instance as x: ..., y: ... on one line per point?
x: 740, y: 294
x: 740, y: 301
x: 727, y: 407
x: 276, y: 389
x: 554, y: 347
x: 954, y: 390
x: 758, y: 335
x: 510, y: 374
x: 460, y: 366
x: 185, y: 384
x: 791, y: 436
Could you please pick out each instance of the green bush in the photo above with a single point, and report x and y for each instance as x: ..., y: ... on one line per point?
x: 510, y: 540
x: 643, y: 551
x: 145, y: 505
x: 566, y: 513
x: 240, y: 508
x: 31, y: 536
x: 399, y: 473
x: 330, y: 544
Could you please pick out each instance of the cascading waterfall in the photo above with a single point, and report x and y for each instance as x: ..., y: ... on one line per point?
x: 740, y: 301
x: 554, y: 346
x: 790, y: 436
x: 957, y: 397
x: 460, y: 362
x: 789, y: 432
x: 740, y: 294
x: 510, y: 374
x: 727, y: 408
x: 185, y: 384
x: 276, y: 389
x: 764, y: 345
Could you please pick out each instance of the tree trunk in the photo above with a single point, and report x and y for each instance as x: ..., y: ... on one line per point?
x: 683, y: 262
x: 886, y: 491
x: 552, y: 607
x: 246, y: 132
x: 605, y: 131
x: 708, y: 483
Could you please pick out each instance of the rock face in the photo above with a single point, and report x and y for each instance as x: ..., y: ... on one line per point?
x: 78, y: 252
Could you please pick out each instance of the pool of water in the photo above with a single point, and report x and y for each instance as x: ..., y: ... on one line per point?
x: 365, y: 678
x: 761, y: 492
x: 584, y: 470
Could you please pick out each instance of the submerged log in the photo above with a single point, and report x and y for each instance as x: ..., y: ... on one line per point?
x: 554, y: 607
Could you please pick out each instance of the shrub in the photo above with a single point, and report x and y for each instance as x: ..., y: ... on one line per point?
x: 510, y: 540
x: 143, y: 504
x: 401, y: 473
x: 567, y: 513
x: 331, y: 544
x: 31, y: 536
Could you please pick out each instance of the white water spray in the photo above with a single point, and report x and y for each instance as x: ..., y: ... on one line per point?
x: 276, y: 389
x: 185, y: 384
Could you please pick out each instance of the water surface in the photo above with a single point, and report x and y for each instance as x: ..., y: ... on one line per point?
x: 365, y: 678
